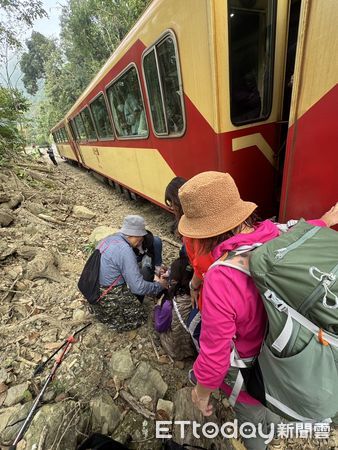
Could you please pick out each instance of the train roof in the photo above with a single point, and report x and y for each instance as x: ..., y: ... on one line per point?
x: 58, y: 125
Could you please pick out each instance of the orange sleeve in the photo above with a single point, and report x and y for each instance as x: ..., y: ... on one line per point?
x: 200, y: 263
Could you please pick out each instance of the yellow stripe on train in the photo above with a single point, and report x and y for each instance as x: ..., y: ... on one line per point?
x: 141, y: 169
x: 66, y: 151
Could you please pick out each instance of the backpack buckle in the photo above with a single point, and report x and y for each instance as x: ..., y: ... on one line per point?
x: 277, y: 302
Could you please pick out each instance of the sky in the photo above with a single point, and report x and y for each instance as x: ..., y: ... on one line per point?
x: 49, y: 26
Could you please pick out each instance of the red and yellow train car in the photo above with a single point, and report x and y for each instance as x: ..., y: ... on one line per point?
x: 241, y: 86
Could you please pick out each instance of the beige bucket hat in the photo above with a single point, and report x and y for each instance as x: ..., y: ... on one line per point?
x: 212, y: 205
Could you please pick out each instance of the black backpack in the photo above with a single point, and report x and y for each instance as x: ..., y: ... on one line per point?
x: 98, y: 441
x: 89, y: 282
x: 169, y: 444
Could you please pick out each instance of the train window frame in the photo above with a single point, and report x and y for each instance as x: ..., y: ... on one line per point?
x: 113, y: 136
x: 269, y: 90
x: 89, y: 139
x: 64, y: 134
x: 110, y: 84
x: 73, y: 129
x: 167, y: 135
x: 79, y: 136
x: 68, y: 135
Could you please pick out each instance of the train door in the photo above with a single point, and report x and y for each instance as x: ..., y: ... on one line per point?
x: 251, y: 103
x: 310, y: 181
x: 293, y: 25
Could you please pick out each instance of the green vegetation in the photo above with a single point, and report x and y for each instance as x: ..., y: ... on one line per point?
x: 89, y: 247
x: 55, y: 72
x: 16, y: 16
x: 33, y: 62
x: 12, y: 107
x: 90, y: 32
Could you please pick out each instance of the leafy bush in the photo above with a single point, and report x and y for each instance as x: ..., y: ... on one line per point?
x: 13, y: 105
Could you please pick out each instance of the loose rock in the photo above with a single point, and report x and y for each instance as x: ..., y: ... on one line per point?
x: 147, y: 381
x: 16, y: 394
x: 81, y: 212
x: 121, y: 364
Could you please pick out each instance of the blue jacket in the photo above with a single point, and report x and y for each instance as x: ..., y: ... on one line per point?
x: 118, y: 258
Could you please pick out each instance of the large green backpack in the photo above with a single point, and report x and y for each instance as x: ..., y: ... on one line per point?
x: 296, y: 373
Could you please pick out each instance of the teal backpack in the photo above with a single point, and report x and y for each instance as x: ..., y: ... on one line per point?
x: 296, y: 373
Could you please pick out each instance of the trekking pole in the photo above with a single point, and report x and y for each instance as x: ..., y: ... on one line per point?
x: 71, y: 340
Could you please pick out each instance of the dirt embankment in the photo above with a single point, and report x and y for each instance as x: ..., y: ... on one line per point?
x: 109, y: 382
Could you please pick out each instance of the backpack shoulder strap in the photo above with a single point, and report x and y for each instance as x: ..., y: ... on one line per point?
x: 238, y: 262
x: 106, y: 245
x: 234, y: 264
x: 238, y: 259
x: 104, y: 293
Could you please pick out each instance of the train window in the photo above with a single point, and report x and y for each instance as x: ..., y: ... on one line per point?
x: 64, y: 135
x: 154, y: 93
x: 101, y: 118
x: 74, y: 129
x: 88, y: 123
x: 251, y: 57
x: 80, y: 128
x: 127, y: 106
x: 161, y: 71
x: 58, y: 136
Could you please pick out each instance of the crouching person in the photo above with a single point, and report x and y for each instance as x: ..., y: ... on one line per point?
x: 172, y: 312
x: 122, y: 286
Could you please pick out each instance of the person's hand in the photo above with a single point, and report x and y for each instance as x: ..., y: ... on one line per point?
x: 162, y: 270
x: 194, y: 294
x: 162, y: 280
x: 202, y: 403
x: 194, y: 291
x: 331, y: 216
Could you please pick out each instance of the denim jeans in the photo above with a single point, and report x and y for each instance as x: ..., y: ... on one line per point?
x: 157, y: 251
x: 147, y: 266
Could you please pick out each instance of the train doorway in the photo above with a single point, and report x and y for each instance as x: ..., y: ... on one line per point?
x: 293, y: 27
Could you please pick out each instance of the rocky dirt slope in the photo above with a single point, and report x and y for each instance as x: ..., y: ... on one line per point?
x: 117, y: 384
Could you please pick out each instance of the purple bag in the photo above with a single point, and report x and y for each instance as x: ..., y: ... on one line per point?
x: 163, y: 316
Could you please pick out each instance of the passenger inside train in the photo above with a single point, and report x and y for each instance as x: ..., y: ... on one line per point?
x: 127, y: 105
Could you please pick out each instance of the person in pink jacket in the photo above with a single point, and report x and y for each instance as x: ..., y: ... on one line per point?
x: 233, y: 312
